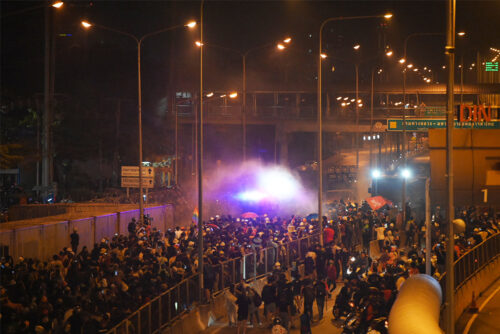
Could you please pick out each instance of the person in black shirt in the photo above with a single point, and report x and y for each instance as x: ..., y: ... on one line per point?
x: 269, y: 299
x: 243, y: 303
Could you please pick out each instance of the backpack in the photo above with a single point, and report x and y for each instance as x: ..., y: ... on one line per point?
x: 257, y: 300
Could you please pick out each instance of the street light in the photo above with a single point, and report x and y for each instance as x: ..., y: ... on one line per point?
x: 138, y: 40
x: 58, y: 4
x: 244, y: 55
x: 320, y: 124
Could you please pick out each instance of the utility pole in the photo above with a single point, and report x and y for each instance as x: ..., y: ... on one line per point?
x: 450, y: 118
x: 46, y: 106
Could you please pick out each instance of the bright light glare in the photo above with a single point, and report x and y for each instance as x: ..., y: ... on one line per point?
x: 86, y: 25
x: 251, y: 196
x: 402, y: 60
x: 277, y: 183
x: 233, y: 95
x: 223, y: 95
x: 58, y: 4
x: 210, y: 94
x: 323, y: 55
x: 356, y: 47
x: 287, y: 40
x: 388, y: 15
x: 339, y: 98
x: 409, y: 65
x: 389, y: 53
x: 191, y: 24
x: 280, y: 47
x: 461, y: 33
x: 343, y: 104
x: 376, y: 173
x: 406, y: 173
x: 198, y: 43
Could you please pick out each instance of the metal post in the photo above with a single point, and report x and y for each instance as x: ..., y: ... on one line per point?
x: 320, y: 141
x: 255, y: 264
x: 243, y: 108
x: 46, y: 107
x: 200, y: 165
x: 176, y: 166
x: 427, y: 227
x: 450, y: 273
x: 139, y: 97
x: 356, y: 138
x: 371, y: 117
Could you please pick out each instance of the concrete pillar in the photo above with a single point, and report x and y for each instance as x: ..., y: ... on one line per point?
x: 282, y: 141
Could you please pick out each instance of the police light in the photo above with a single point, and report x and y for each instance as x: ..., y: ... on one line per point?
x: 376, y: 173
x: 406, y: 173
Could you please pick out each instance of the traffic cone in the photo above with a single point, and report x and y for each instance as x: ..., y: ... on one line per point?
x: 473, y: 307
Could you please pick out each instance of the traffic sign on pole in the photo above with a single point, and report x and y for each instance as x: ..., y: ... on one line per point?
x: 133, y: 182
x: 133, y: 171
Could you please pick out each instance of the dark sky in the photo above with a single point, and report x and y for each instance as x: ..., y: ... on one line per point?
x: 234, y: 24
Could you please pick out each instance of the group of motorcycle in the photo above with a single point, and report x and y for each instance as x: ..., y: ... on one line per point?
x: 364, y: 302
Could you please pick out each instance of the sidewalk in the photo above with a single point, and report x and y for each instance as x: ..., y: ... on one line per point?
x: 327, y: 324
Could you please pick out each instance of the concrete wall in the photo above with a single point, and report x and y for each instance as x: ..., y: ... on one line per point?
x: 475, y: 152
x: 20, y: 212
x: 42, y: 240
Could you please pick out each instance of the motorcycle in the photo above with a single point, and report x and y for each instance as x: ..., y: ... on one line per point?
x: 378, y: 326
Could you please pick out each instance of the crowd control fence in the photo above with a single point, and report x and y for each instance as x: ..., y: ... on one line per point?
x: 171, y: 304
x: 474, y: 273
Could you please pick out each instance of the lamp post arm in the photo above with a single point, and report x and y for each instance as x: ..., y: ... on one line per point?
x: 159, y: 32
x: 100, y: 26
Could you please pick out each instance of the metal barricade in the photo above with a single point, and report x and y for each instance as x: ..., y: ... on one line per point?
x: 171, y: 304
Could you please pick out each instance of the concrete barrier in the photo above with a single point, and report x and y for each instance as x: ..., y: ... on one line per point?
x: 43, y: 237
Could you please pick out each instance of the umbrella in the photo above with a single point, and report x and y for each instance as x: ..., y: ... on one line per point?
x: 312, y: 216
x: 213, y: 225
x: 249, y: 215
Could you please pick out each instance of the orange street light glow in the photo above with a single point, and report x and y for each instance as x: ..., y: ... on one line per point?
x: 210, y: 94
x: 389, y: 53
x: 461, y: 33
x: 356, y: 47
x: 191, y: 24
x: 58, y: 4
x: 323, y: 55
x: 402, y: 61
x: 198, y: 43
x: 287, y: 40
x: 233, y: 95
x: 86, y: 25
x: 388, y: 15
x: 409, y: 65
x: 280, y: 47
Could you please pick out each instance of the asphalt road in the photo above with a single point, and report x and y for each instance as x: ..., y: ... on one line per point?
x: 487, y: 320
x: 326, y: 325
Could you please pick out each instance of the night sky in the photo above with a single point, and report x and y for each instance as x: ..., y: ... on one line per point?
x: 96, y: 68
x: 238, y: 25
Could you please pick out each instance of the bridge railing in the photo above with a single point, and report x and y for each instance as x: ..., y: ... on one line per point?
x: 171, y: 304
x: 468, y: 270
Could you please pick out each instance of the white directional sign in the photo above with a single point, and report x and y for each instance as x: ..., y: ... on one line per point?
x: 133, y: 182
x: 133, y: 171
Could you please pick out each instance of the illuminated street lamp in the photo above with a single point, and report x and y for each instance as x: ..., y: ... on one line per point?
x: 319, y: 102
x: 58, y: 4
x: 244, y: 55
x: 233, y: 95
x: 88, y: 25
x: 356, y: 47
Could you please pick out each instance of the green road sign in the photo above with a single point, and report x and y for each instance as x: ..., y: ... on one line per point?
x: 423, y: 124
x: 491, y: 66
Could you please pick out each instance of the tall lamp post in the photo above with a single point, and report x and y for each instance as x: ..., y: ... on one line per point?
x: 403, y: 61
x: 321, y: 56
x: 243, y: 55
x: 138, y: 40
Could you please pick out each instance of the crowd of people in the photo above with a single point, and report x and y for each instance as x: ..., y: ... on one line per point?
x: 84, y: 290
